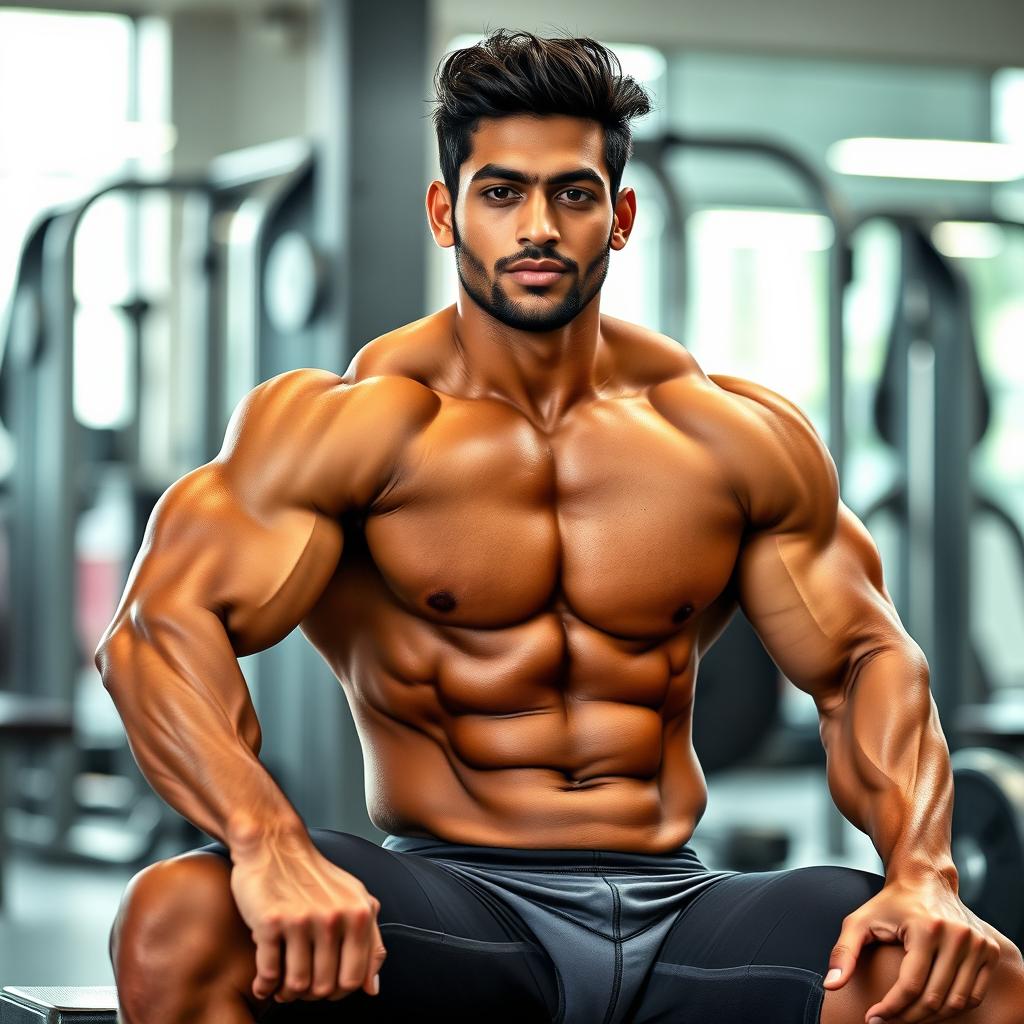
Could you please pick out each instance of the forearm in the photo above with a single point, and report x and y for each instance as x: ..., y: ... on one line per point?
x: 888, y: 764
x: 192, y: 728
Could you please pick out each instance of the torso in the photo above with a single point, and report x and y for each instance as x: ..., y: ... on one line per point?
x: 517, y: 619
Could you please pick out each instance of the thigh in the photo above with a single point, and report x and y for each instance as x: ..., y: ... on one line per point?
x: 754, y: 946
x: 454, y: 953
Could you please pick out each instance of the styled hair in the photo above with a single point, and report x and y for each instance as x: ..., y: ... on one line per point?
x: 520, y: 73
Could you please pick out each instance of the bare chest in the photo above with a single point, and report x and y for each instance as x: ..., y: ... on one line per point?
x: 617, y: 516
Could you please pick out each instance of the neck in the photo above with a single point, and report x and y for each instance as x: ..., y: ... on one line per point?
x: 541, y: 373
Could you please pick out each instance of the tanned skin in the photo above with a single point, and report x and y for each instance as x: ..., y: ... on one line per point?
x: 512, y: 528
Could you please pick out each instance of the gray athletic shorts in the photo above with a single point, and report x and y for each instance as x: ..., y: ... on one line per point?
x: 498, y: 935
x: 604, y: 918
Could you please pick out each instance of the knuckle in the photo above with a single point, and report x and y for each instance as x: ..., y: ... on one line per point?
x: 933, y: 1000
x: 958, y: 1002
x: 322, y: 989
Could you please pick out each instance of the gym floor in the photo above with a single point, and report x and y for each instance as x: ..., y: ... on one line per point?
x: 56, y: 918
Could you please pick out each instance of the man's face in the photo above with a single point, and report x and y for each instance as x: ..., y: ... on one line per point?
x: 508, y: 209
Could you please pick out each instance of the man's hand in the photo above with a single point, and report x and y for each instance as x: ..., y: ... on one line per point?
x: 314, y: 925
x: 950, y: 952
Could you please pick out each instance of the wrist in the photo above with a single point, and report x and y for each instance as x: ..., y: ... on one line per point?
x: 918, y: 873
x: 248, y: 835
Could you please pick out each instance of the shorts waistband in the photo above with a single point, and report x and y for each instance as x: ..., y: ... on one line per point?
x: 513, y: 858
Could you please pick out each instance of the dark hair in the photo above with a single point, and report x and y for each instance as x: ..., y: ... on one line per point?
x: 520, y: 73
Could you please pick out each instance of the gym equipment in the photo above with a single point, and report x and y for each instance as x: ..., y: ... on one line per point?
x: 58, y: 1004
x: 24, y: 719
x: 931, y: 364
x: 66, y: 807
x: 988, y: 836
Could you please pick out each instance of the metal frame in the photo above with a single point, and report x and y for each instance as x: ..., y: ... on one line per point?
x: 36, y: 387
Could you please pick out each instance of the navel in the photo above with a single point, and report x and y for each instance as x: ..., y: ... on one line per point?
x: 683, y: 613
x: 441, y: 601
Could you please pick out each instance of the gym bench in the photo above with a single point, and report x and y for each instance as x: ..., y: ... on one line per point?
x: 58, y: 1004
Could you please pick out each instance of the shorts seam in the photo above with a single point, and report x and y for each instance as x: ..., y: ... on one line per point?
x: 785, y: 914
x: 481, y: 893
x: 815, y: 999
x: 448, y: 939
x: 689, y: 906
x: 419, y: 885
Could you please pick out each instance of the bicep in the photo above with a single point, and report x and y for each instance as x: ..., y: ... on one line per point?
x: 817, y: 599
x: 260, y: 570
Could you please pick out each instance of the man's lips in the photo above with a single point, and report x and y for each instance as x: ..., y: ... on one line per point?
x: 535, y: 277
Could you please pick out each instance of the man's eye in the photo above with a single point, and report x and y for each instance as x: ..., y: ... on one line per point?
x: 497, y: 188
x: 584, y: 196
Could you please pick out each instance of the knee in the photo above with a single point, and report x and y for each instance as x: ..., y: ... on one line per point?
x: 878, y: 969
x: 1005, y: 996
x: 176, y: 925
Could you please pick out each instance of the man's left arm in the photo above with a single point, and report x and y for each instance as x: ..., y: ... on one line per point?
x: 810, y: 581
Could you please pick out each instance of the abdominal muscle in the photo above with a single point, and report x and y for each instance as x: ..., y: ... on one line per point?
x: 572, y: 770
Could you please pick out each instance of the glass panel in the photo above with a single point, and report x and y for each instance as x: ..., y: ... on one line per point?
x: 103, y: 394
x: 64, y: 100
x: 758, y: 302
x: 101, y: 255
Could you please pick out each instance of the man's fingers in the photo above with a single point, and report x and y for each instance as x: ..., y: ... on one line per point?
x: 843, y: 958
x: 355, y: 953
x: 328, y: 936
x: 268, y: 963
x: 954, y: 947
x: 921, y: 944
x: 960, y: 992
x: 981, y: 984
x: 298, y: 963
x: 377, y: 956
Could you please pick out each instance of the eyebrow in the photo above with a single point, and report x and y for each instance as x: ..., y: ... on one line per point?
x: 510, y: 174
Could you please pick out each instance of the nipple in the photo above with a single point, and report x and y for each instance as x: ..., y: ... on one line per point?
x: 441, y: 601
x: 683, y: 613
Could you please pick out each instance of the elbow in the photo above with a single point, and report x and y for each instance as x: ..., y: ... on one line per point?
x: 115, y: 650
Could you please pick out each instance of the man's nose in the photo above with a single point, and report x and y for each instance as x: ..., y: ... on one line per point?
x: 538, y: 222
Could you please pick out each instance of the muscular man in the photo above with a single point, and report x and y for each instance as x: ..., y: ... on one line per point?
x: 512, y: 528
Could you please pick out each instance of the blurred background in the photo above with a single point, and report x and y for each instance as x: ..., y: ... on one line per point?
x: 197, y: 196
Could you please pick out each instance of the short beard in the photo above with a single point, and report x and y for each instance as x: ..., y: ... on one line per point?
x: 496, y: 302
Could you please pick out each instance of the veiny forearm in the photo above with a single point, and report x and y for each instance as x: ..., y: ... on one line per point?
x: 888, y: 763
x: 192, y: 728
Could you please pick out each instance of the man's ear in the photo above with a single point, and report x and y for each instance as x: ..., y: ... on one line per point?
x: 440, y: 213
x: 624, y: 219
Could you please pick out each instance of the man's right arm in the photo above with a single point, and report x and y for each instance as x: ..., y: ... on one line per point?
x: 236, y: 553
